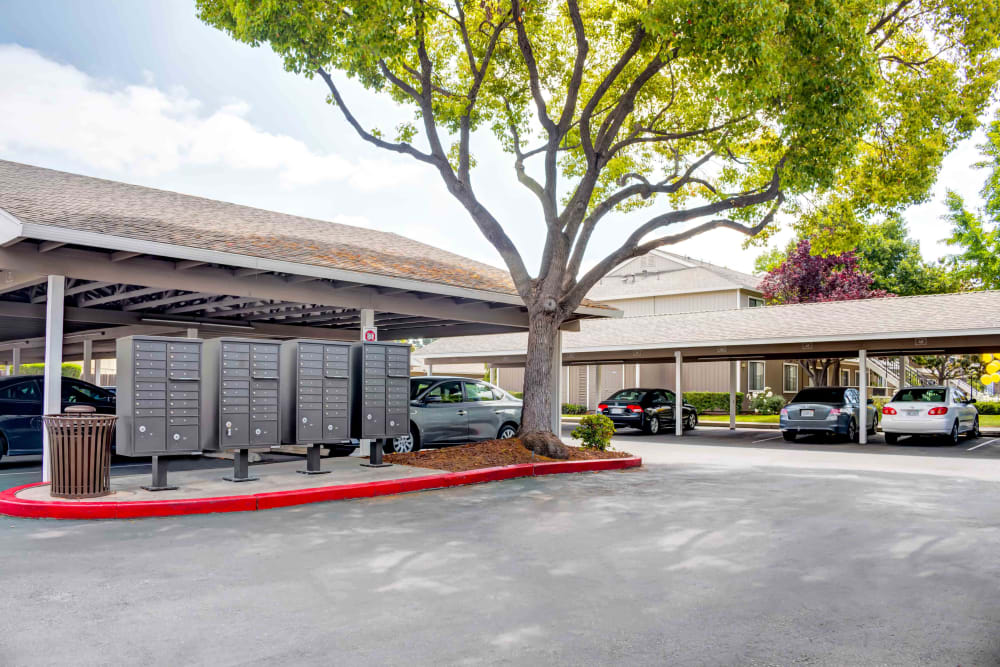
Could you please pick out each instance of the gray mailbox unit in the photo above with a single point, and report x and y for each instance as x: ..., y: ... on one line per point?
x: 381, y: 390
x: 240, y: 398
x: 158, y: 400
x: 158, y: 396
x: 315, y: 392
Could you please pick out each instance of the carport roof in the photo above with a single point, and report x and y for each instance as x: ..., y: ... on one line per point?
x: 892, y: 319
x: 44, y: 197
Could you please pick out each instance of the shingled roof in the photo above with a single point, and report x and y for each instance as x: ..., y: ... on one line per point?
x: 82, y: 203
x: 940, y: 314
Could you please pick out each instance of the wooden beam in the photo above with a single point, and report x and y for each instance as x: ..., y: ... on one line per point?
x: 166, y: 301
x: 121, y: 255
x: 121, y: 296
x: 187, y: 264
x: 12, y: 281
x: 49, y: 246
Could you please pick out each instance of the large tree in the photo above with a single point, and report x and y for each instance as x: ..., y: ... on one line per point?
x: 701, y: 114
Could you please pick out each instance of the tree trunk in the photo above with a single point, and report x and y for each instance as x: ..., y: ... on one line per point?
x: 542, y: 330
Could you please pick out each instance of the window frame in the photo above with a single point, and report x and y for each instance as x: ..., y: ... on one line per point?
x: 756, y: 302
x: 784, y: 378
x: 478, y: 383
x: 750, y: 375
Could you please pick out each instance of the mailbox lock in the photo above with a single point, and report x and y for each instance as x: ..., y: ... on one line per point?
x: 392, y: 423
x: 369, y: 416
x: 257, y: 432
x: 142, y: 429
x: 329, y: 427
x: 305, y: 420
x: 177, y: 436
x: 229, y: 429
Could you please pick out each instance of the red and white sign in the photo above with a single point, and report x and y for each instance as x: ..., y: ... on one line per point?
x: 370, y: 335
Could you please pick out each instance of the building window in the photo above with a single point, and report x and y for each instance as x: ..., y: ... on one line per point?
x: 845, y: 378
x: 756, y: 302
x: 791, y: 375
x: 755, y: 376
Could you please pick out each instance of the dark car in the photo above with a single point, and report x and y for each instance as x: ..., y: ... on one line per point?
x: 827, y: 410
x: 648, y: 409
x: 21, y: 409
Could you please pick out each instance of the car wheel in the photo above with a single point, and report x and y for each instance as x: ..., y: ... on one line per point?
x: 653, y: 425
x: 852, y: 431
x: 690, y: 422
x: 975, y: 432
x: 953, y: 436
x: 404, y: 443
x: 790, y: 435
x: 891, y: 438
x: 507, y: 431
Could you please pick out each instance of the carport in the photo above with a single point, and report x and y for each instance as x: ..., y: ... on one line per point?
x: 84, y: 261
x: 889, y: 327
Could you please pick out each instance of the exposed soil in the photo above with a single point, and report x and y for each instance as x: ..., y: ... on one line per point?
x: 489, y: 454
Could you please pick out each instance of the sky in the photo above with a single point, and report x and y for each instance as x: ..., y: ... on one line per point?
x: 143, y: 92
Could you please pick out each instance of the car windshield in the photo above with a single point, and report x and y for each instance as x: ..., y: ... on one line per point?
x: 634, y: 395
x: 419, y: 386
x: 820, y: 395
x: 922, y: 395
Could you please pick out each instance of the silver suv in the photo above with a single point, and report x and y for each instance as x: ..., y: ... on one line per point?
x: 455, y: 411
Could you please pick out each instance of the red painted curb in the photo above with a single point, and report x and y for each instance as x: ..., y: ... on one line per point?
x: 11, y: 505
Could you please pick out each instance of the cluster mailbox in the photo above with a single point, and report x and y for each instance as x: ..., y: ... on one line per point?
x: 241, y: 390
x: 158, y: 396
x: 316, y: 376
x: 381, y: 390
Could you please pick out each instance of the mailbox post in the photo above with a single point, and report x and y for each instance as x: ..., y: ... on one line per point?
x: 240, y: 402
x: 315, y: 396
x: 381, y: 394
x: 158, y: 400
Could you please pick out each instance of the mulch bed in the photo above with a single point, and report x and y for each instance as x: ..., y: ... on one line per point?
x: 489, y: 454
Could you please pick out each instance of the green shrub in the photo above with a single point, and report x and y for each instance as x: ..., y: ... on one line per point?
x: 517, y: 394
x: 711, y: 401
x: 766, y: 402
x: 573, y: 409
x: 595, y: 432
x: 68, y: 370
x: 989, y: 408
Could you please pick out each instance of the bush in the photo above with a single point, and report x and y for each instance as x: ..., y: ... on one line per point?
x: 595, y: 432
x: 766, y: 402
x: 68, y: 370
x: 573, y: 409
x: 711, y: 401
x: 990, y: 408
x: 517, y: 394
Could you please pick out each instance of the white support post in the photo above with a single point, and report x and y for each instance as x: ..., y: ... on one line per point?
x: 863, y: 390
x: 623, y: 376
x: 15, y: 362
x: 88, y: 360
x: 678, y: 395
x: 367, y: 322
x: 52, y: 378
x: 587, y: 385
x: 733, y: 365
x: 430, y: 369
x: 904, y: 362
x: 638, y: 383
x: 555, y: 391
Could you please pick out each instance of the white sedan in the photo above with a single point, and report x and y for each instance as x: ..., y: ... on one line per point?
x: 938, y: 411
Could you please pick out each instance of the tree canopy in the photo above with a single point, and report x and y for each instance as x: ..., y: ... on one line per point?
x: 688, y: 115
x: 978, y: 233
x: 807, y: 278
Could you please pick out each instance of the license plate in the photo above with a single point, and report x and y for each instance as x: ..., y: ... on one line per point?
x: 617, y: 411
x: 912, y: 413
x: 808, y: 413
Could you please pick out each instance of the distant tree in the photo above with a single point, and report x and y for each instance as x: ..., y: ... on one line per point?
x: 806, y: 278
x: 951, y: 367
x: 887, y: 253
x: 978, y: 233
x: 681, y: 116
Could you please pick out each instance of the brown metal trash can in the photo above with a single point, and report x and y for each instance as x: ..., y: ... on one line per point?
x: 80, y: 448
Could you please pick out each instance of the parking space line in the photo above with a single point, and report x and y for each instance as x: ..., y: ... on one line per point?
x: 983, y: 444
x: 766, y: 439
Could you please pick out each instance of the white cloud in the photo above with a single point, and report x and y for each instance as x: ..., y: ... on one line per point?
x: 55, y: 108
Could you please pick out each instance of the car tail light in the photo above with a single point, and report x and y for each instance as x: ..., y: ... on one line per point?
x: 635, y: 408
x: 602, y: 407
x: 834, y: 412
x: 935, y: 412
x: 888, y: 410
x: 784, y: 412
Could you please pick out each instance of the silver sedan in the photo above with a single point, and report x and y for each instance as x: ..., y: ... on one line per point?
x: 455, y: 411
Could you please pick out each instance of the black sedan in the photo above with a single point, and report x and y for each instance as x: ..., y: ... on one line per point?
x: 651, y: 410
x: 21, y: 409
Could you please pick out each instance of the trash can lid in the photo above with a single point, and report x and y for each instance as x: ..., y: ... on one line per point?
x: 80, y: 409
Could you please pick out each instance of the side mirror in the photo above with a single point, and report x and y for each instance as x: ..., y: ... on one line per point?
x: 432, y: 399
